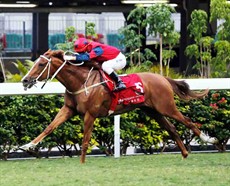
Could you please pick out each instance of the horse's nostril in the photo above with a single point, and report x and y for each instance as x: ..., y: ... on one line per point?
x: 24, y: 81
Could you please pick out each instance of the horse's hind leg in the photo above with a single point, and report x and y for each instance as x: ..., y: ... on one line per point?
x: 177, y: 115
x: 169, y: 127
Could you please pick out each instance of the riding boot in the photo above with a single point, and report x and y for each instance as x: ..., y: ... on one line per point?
x: 119, y: 83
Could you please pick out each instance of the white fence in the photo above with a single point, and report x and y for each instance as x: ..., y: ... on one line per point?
x: 9, y: 89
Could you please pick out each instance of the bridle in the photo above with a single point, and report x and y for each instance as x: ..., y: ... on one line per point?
x: 48, y: 67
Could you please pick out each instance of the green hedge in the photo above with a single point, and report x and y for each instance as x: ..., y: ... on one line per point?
x: 24, y: 117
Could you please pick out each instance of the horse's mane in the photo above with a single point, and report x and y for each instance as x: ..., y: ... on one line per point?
x: 56, y: 53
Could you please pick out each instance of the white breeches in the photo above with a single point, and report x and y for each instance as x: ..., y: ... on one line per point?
x: 117, y: 63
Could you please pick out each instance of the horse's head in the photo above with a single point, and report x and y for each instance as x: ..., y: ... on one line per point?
x: 45, y: 67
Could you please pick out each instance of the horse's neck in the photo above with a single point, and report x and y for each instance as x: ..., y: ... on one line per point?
x: 74, y: 77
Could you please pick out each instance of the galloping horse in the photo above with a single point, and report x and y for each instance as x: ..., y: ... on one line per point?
x: 86, y: 94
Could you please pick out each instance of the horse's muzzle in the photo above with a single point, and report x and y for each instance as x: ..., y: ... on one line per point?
x: 28, y: 82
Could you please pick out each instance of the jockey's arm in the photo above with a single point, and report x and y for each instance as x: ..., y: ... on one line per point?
x: 77, y: 57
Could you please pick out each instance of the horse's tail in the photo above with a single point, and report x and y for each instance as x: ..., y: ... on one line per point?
x: 181, y: 88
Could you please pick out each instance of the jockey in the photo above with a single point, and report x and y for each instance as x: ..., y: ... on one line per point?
x: 110, y: 57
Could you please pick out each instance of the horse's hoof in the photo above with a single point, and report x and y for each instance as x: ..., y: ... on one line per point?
x: 185, y: 155
x: 208, y: 139
x: 28, y: 146
x: 215, y: 141
x: 212, y: 140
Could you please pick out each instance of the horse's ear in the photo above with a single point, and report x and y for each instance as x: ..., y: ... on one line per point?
x: 58, y: 53
x: 48, y: 52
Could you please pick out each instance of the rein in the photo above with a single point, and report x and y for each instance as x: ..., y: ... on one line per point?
x: 86, y: 88
x: 48, y: 66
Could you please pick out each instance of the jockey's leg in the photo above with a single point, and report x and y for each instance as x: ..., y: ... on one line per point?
x: 119, y: 83
x: 110, y: 66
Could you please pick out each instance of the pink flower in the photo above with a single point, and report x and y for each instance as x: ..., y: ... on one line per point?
x: 214, y: 106
x: 222, y: 101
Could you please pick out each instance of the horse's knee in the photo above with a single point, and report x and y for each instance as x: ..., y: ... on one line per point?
x: 48, y: 130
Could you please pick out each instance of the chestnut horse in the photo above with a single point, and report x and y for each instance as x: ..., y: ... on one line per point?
x: 94, y: 101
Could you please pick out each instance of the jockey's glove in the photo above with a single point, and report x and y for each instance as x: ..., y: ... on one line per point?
x: 69, y: 58
x: 82, y: 57
x: 77, y: 57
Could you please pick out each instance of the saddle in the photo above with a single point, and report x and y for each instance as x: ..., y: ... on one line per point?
x: 133, y: 94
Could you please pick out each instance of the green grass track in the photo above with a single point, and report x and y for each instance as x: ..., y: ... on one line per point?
x: 211, y: 169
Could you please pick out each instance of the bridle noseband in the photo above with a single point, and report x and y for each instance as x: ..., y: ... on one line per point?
x: 48, y: 65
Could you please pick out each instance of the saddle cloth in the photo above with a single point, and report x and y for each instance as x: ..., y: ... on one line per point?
x: 133, y: 94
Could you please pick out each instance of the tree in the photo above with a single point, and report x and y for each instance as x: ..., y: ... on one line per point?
x: 201, y: 49
x: 131, y: 40
x: 207, y: 64
x: 138, y: 15
x: 221, y: 61
x: 70, y: 37
x: 90, y: 29
x: 160, y: 23
x: 220, y: 10
x: 168, y: 54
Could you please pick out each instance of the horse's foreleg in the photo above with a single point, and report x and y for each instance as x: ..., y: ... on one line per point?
x: 88, y: 127
x: 64, y: 114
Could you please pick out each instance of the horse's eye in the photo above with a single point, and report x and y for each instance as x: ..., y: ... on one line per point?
x: 41, y: 65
